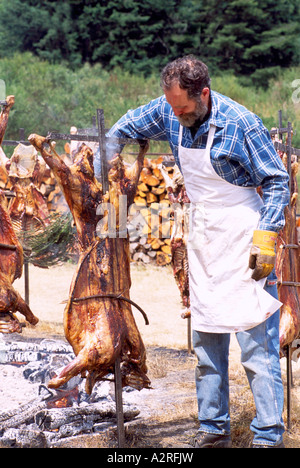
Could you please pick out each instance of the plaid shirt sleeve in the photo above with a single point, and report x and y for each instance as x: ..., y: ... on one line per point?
x: 242, y: 153
x: 145, y: 122
x: 269, y: 173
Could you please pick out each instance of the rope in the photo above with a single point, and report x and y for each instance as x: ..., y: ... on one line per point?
x: 113, y: 296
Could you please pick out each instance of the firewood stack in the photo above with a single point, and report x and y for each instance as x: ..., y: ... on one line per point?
x: 52, y: 193
x: 151, y: 222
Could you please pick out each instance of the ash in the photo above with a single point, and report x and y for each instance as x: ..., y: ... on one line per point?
x: 34, y: 416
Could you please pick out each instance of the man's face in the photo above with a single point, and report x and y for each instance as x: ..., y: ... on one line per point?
x: 187, y: 110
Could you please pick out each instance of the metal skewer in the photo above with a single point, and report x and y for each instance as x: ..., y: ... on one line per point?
x: 119, y: 404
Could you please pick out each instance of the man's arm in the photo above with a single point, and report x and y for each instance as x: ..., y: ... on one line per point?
x: 145, y: 122
x: 270, y: 174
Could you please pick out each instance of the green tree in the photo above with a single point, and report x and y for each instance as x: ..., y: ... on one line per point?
x: 250, y: 37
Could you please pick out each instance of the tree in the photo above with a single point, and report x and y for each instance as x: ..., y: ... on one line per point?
x: 249, y: 36
x: 252, y: 38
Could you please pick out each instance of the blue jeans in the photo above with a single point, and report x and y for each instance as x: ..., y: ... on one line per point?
x: 260, y: 359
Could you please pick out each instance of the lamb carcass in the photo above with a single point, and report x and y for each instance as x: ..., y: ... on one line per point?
x: 288, y: 266
x: 98, y: 319
x: 28, y: 209
x: 11, y: 264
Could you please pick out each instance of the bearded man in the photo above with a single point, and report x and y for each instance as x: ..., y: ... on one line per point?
x: 224, y: 153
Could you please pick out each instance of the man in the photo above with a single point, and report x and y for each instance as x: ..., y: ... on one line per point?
x: 225, y: 153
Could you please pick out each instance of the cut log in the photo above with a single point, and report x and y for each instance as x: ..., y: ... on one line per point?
x: 151, y: 198
x: 163, y: 259
x: 22, y: 414
x: 142, y: 187
x: 53, y: 419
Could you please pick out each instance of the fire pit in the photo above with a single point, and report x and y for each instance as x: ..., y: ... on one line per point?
x: 53, y: 415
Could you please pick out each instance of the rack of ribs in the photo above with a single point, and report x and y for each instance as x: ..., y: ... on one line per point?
x: 180, y: 204
x: 98, y: 319
x: 28, y: 209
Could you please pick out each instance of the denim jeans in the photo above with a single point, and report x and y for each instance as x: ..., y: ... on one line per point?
x: 260, y: 359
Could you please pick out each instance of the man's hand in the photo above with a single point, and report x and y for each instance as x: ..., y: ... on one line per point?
x: 262, y: 254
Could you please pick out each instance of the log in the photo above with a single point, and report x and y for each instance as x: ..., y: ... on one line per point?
x: 156, y: 243
x: 152, y: 180
x: 22, y: 414
x: 52, y: 419
x: 142, y: 187
x: 140, y: 201
x: 151, y: 198
x: 166, y: 249
x: 159, y: 190
x: 163, y: 259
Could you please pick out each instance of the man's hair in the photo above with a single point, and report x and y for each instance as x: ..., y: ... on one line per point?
x: 189, y: 72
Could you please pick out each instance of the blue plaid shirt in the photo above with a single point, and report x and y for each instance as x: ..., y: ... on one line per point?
x: 242, y: 152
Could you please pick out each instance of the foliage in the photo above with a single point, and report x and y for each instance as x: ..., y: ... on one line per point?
x: 54, y: 97
x: 54, y: 244
x: 252, y: 38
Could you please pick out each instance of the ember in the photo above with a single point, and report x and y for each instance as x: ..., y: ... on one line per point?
x: 54, y: 415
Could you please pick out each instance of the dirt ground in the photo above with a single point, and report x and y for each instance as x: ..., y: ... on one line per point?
x: 168, y: 412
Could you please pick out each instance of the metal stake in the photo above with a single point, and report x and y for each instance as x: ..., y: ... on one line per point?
x: 289, y: 385
x: 102, y: 146
x: 189, y: 335
x: 119, y: 404
x: 26, y: 280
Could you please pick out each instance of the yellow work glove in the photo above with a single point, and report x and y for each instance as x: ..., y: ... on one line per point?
x: 262, y: 254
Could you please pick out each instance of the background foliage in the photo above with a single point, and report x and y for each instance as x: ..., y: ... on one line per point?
x: 252, y: 38
x: 54, y: 97
x: 63, y: 59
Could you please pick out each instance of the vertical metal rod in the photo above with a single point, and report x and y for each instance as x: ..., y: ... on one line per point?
x: 189, y: 335
x: 102, y: 146
x: 119, y: 404
x: 22, y: 134
x: 289, y: 156
x: 26, y: 280
x: 280, y: 124
x: 289, y: 385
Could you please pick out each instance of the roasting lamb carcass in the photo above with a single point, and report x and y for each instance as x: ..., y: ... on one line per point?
x: 180, y: 203
x: 98, y: 320
x: 28, y: 210
x: 288, y: 267
x: 11, y: 264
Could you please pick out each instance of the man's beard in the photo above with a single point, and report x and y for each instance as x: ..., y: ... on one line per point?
x: 188, y: 120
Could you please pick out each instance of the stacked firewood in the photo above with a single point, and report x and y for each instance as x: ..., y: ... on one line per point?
x: 52, y: 193
x: 151, y: 217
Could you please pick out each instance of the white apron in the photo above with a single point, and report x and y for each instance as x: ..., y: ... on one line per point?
x: 224, y: 297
